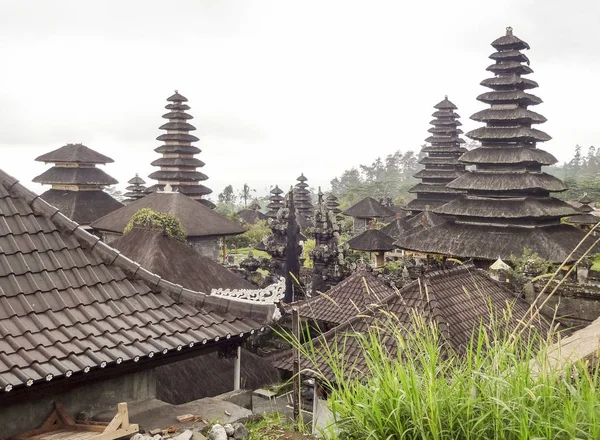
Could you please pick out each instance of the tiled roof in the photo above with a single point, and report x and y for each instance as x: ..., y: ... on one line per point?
x: 457, y: 301
x: 354, y: 295
x: 70, y: 304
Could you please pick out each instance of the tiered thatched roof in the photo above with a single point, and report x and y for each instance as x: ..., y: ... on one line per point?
x: 507, y: 205
x: 585, y: 218
x: 441, y: 162
x: 369, y: 208
x: 275, y: 202
x: 178, y: 166
x: 252, y: 214
x: 136, y: 189
x: 372, y: 240
x: 77, y: 184
x: 302, y: 199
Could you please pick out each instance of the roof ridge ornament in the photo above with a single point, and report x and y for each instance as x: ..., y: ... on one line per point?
x: 509, y: 31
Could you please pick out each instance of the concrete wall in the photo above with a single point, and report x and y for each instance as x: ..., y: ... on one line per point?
x: 91, y: 397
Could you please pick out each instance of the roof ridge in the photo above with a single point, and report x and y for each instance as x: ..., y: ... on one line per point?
x: 259, y: 311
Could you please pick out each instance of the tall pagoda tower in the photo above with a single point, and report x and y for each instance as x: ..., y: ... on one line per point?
x: 508, y: 205
x: 441, y: 161
x: 302, y: 198
x: 275, y: 202
x: 136, y: 189
x: 178, y: 166
x: 76, y: 183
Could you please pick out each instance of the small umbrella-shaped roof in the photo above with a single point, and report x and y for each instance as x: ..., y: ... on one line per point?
x: 372, y: 240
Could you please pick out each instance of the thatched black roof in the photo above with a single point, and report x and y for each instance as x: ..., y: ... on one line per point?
x: 396, y: 227
x: 177, y: 262
x: 178, y: 162
x: 178, y: 125
x: 176, y: 165
x: 583, y: 219
x: 197, y: 219
x: 500, y: 181
x: 352, y: 296
x: 136, y: 180
x: 369, y: 208
x: 82, y: 207
x: 251, y: 216
x: 552, y: 243
x: 585, y: 200
x: 503, y: 155
x: 75, y: 153
x: 181, y: 175
x: 506, y: 208
x: 177, y: 97
x: 194, y: 191
x: 425, y: 218
x: 371, y: 240
x: 75, y: 176
x: 422, y: 204
x: 178, y: 148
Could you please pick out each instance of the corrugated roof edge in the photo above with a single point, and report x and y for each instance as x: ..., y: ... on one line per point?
x: 260, y: 312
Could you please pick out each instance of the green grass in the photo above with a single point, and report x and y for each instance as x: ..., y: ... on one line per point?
x: 241, y: 253
x: 596, y: 262
x: 492, y: 392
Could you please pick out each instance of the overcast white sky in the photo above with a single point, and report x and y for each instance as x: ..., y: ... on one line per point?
x: 276, y: 87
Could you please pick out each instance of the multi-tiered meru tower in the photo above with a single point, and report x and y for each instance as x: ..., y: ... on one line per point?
x: 507, y: 205
x: 441, y: 161
x: 178, y: 164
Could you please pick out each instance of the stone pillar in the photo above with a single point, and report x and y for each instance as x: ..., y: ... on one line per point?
x: 237, y: 369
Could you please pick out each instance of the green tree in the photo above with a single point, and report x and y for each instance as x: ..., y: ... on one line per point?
x: 246, y: 194
x: 227, y: 196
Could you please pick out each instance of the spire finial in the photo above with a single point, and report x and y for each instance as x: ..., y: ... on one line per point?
x: 509, y: 31
x: 446, y: 97
x: 176, y: 91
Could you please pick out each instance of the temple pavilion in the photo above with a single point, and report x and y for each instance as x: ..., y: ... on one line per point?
x: 252, y: 214
x: 507, y: 205
x: 365, y: 211
x: 440, y: 161
x: 178, y: 166
x: 77, y: 184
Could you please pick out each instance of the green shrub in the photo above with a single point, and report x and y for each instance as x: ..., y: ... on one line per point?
x: 148, y: 218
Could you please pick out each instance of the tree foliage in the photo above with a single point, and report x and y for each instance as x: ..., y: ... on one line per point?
x: 389, y: 177
x: 150, y: 219
x: 251, y: 237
